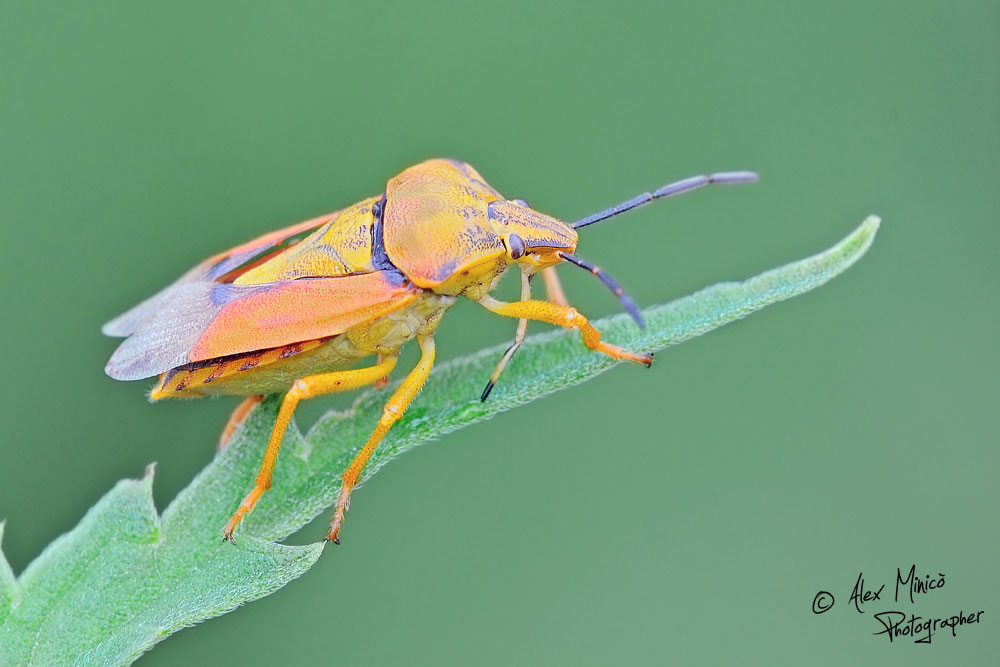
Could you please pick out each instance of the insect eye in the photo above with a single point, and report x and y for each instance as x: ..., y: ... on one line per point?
x: 516, y: 245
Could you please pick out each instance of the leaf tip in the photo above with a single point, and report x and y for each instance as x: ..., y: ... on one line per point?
x: 865, y: 234
x: 870, y: 225
x: 852, y: 247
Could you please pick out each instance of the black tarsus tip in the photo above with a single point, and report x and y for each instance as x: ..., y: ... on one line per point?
x: 486, y: 391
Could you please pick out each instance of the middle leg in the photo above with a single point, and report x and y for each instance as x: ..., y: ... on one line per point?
x: 391, y: 412
x: 303, y: 388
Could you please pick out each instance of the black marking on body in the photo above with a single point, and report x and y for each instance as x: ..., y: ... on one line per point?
x: 251, y: 362
x: 216, y: 374
x: 222, y: 363
x: 492, y: 215
x: 290, y: 351
x: 195, y: 365
x: 169, y: 375
x: 380, y: 258
x: 446, y: 269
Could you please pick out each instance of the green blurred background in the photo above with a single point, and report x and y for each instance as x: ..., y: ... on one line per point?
x: 689, y: 513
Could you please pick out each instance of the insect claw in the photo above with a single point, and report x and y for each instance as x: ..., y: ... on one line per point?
x: 486, y: 391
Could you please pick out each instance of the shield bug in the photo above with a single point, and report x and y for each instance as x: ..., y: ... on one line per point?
x: 295, y: 310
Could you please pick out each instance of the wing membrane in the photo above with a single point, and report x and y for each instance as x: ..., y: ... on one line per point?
x: 204, y: 320
x: 210, y: 270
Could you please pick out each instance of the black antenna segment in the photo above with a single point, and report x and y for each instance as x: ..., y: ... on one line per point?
x: 686, y: 185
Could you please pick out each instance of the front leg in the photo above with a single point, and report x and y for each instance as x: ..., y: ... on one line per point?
x: 554, y: 290
x: 563, y: 316
x: 553, y: 287
x: 522, y: 329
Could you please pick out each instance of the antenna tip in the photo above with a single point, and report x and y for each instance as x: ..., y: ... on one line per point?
x: 727, y: 177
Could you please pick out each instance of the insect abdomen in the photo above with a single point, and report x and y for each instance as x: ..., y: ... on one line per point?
x: 274, y: 370
x: 218, y: 376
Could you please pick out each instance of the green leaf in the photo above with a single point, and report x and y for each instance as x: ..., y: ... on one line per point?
x: 125, y: 578
x: 8, y: 585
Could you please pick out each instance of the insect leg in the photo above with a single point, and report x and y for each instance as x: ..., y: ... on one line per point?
x: 554, y: 290
x: 522, y: 328
x: 383, y: 381
x: 235, y: 419
x: 392, y: 411
x: 563, y: 316
x: 302, y: 388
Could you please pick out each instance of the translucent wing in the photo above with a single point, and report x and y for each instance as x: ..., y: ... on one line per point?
x: 204, y: 320
x: 208, y: 271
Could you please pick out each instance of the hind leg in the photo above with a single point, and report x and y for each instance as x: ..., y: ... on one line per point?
x: 303, y: 388
x: 235, y: 419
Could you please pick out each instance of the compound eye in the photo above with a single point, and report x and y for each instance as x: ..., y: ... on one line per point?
x: 516, y: 245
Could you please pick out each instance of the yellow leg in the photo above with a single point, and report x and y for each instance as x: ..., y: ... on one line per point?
x: 553, y: 288
x: 235, y: 419
x: 383, y: 381
x: 522, y: 328
x: 563, y: 316
x: 392, y: 411
x: 303, y: 388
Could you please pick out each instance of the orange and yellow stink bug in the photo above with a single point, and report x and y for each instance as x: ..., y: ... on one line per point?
x: 294, y: 310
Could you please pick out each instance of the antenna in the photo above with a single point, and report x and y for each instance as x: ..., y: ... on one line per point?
x: 612, y: 285
x: 686, y: 185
